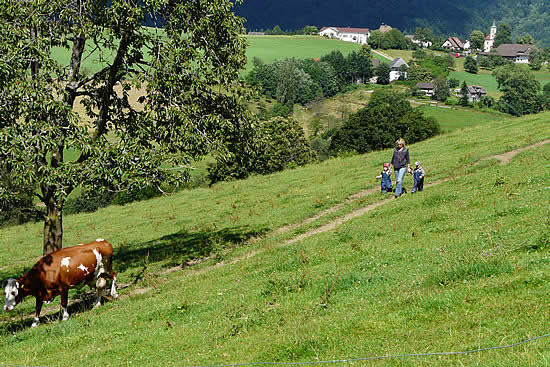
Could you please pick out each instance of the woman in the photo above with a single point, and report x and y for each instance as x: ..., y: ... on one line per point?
x: 401, y: 165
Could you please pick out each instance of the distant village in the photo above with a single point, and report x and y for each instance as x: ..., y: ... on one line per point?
x: 458, y: 47
x: 518, y: 53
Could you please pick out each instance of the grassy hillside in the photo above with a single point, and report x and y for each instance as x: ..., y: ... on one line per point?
x: 465, y: 264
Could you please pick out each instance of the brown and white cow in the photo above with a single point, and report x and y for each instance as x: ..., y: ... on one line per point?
x: 53, y: 275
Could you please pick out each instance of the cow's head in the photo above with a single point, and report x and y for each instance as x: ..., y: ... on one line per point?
x: 14, y: 293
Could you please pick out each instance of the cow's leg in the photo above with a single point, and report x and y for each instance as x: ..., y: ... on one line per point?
x: 100, y: 286
x: 38, y: 308
x: 112, y: 275
x: 64, y: 302
x: 114, y: 293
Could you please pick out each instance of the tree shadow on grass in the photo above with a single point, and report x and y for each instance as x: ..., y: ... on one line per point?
x: 181, y: 247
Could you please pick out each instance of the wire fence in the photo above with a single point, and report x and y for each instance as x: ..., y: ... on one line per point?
x: 353, y: 359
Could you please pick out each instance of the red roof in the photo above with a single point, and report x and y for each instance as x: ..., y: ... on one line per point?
x: 348, y: 30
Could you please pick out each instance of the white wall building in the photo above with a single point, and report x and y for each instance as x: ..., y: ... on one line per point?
x: 490, y: 39
x: 356, y: 35
x: 395, y: 69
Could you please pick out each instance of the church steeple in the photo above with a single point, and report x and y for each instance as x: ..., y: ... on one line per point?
x: 493, y: 31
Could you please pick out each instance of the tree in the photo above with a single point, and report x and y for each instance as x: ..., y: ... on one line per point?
x: 365, y: 50
x: 470, y: 65
x: 383, y: 73
x: 441, y: 89
x: 504, y: 35
x: 276, y: 31
x: 464, y: 95
x: 424, y: 34
x: 519, y: 88
x: 417, y: 72
x: 527, y: 39
x: 187, y: 76
x: 375, y: 39
x: 536, y: 59
x: 403, y: 72
x: 453, y: 83
x: 310, y: 29
x: 359, y: 67
x: 376, y: 126
x: 323, y: 74
x: 477, y: 40
x: 338, y: 62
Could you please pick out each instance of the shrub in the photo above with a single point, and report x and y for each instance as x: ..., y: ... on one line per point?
x: 276, y: 144
x: 387, y: 116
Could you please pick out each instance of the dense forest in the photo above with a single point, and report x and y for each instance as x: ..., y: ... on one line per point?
x: 446, y: 17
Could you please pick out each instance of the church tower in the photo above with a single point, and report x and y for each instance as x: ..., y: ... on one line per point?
x: 493, y: 32
x: 490, y: 39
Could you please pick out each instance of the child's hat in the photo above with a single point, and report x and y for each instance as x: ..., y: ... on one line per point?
x: 386, y: 165
x: 417, y: 163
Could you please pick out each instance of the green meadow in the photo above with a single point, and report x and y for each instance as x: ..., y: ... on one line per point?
x: 488, y: 81
x: 271, y: 48
x: 209, y: 276
x: 455, y: 118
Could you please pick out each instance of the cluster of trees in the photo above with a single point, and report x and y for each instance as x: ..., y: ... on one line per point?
x: 521, y: 91
x: 277, y: 31
x: 273, y: 145
x: 387, y: 116
x: 291, y: 81
x: 426, y: 66
x: 393, y: 39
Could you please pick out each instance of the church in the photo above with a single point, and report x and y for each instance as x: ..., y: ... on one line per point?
x: 490, y: 39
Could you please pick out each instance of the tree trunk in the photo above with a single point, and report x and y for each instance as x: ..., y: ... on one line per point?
x: 53, y: 227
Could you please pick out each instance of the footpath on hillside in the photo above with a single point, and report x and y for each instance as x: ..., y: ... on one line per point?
x: 503, y: 159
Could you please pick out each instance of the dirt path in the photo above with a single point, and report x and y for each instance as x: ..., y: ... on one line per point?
x: 353, y: 214
x: 505, y: 158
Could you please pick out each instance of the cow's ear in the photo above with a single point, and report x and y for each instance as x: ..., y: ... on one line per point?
x: 4, y: 283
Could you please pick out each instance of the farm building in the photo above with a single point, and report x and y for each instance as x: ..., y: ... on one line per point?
x: 455, y: 44
x: 356, y: 35
x: 426, y: 88
x: 396, y: 67
x: 517, y: 53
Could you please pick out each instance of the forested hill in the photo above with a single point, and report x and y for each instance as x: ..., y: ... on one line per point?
x: 449, y: 17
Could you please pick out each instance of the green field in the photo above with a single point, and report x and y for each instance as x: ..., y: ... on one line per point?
x: 452, y: 119
x: 270, y: 48
x: 460, y: 266
x: 488, y: 81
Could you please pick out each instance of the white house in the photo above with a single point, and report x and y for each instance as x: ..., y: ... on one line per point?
x: 423, y: 44
x: 357, y: 35
x: 456, y: 44
x: 490, y: 39
x: 395, y: 69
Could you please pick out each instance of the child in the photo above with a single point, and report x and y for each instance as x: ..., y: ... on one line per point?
x: 385, y: 175
x: 418, y: 176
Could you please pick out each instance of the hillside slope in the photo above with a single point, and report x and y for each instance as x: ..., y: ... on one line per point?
x: 462, y: 265
x: 446, y: 17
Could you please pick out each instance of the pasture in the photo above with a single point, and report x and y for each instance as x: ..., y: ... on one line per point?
x: 213, y: 279
x: 271, y: 48
x: 487, y: 80
x: 452, y: 119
